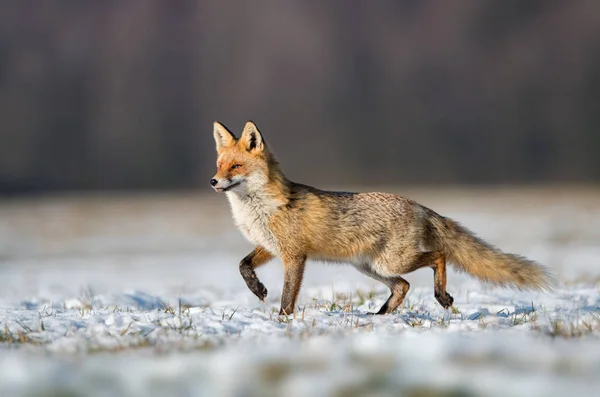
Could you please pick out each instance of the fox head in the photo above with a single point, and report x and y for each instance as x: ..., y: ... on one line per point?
x: 242, y: 164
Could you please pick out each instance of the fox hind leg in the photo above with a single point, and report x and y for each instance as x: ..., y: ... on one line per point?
x: 437, y: 261
x: 399, y: 287
x: 439, y: 282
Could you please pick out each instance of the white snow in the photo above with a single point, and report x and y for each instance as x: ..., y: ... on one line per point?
x: 141, y: 296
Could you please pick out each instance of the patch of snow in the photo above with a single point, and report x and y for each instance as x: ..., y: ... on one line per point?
x: 81, y: 315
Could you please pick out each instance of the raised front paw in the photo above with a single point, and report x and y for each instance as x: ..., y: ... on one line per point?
x: 444, y: 299
x: 259, y: 290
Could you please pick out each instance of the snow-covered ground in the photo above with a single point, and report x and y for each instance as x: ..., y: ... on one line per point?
x: 141, y: 296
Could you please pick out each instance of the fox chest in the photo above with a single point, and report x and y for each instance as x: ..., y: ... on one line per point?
x: 252, y: 218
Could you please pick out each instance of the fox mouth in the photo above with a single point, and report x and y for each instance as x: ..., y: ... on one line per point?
x: 225, y: 189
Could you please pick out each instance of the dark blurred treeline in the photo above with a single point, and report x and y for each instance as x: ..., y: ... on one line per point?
x: 122, y: 94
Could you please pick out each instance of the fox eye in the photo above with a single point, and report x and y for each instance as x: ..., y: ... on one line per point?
x: 233, y: 167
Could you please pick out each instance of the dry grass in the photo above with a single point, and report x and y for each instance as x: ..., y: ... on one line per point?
x: 560, y: 328
x: 177, y: 331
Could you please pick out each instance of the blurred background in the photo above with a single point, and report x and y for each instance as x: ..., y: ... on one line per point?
x: 113, y: 95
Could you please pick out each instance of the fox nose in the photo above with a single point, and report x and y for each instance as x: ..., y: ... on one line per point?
x: 213, y: 182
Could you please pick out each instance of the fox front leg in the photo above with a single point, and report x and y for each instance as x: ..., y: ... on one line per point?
x: 256, y: 258
x: 293, y: 272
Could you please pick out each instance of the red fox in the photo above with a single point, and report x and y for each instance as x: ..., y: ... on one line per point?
x: 383, y: 235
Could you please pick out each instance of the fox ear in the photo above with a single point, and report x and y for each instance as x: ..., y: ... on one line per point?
x: 223, y: 137
x: 251, y: 138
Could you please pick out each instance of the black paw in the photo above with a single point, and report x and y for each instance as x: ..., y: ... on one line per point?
x: 385, y: 309
x: 259, y: 290
x: 444, y: 299
x: 252, y: 281
x: 284, y: 312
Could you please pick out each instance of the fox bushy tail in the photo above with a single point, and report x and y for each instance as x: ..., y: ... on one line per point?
x: 468, y: 253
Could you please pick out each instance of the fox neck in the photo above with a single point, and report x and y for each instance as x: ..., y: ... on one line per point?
x: 266, y: 190
x: 253, y: 205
